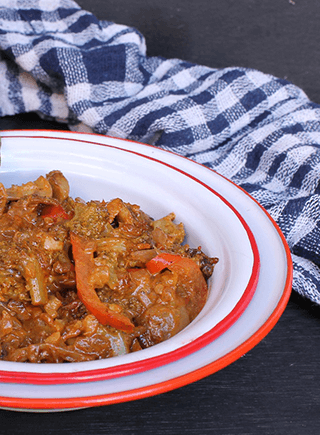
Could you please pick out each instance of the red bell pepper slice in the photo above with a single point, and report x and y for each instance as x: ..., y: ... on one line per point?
x: 55, y: 211
x: 83, y: 251
x: 187, y: 269
x: 162, y: 261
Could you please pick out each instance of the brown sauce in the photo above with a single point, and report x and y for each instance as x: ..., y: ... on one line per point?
x: 81, y: 281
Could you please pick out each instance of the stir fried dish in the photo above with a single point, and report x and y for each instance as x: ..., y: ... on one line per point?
x: 81, y: 281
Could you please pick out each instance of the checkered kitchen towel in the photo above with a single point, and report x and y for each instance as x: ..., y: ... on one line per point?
x: 258, y: 130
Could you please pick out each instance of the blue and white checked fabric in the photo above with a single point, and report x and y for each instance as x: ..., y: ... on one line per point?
x: 260, y: 131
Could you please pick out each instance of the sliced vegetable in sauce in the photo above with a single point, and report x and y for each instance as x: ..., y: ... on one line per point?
x: 85, y: 280
x: 162, y: 261
x: 83, y: 251
x: 55, y: 212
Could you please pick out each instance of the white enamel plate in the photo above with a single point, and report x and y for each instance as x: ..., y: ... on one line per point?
x: 248, y: 292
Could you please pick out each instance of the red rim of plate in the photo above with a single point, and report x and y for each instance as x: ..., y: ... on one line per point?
x: 151, y: 363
